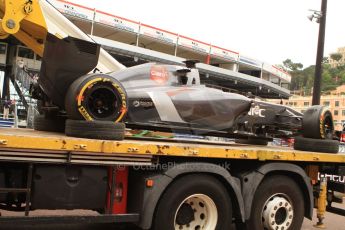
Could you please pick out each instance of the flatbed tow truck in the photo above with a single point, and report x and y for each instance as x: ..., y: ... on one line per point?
x: 153, y: 183
x: 148, y: 169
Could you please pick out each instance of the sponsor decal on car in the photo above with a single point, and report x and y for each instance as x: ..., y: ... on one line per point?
x: 256, y: 111
x: 143, y: 103
x: 159, y: 74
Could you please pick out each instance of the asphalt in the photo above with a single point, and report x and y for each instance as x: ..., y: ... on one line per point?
x: 332, y: 222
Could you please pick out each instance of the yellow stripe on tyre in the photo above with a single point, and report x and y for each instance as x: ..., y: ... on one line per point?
x: 84, y: 112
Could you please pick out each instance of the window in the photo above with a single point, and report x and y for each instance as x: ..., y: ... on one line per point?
x: 3, y: 48
x: 285, y: 85
x: 326, y: 103
x: 336, y: 103
x: 295, y: 103
x: 306, y: 103
x: 343, y: 113
x: 25, y: 53
x: 335, y: 112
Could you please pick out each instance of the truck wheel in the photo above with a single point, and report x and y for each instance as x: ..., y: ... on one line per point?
x: 251, y: 141
x: 316, y: 145
x: 278, y: 204
x: 317, y: 123
x: 96, y: 97
x: 95, y: 129
x: 194, y: 202
x: 49, y: 124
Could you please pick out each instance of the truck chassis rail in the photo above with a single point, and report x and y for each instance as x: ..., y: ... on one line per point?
x: 44, y: 147
x: 73, y: 157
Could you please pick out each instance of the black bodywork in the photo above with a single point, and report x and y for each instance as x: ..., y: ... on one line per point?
x: 163, y: 97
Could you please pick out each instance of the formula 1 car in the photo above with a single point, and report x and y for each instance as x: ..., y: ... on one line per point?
x: 164, y: 98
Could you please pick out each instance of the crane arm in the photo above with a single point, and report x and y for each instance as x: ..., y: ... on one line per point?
x: 24, y: 20
x: 30, y: 21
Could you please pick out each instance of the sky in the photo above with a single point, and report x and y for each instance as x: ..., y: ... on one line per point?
x: 268, y: 30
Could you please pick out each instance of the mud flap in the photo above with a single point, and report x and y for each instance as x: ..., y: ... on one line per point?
x: 65, y: 60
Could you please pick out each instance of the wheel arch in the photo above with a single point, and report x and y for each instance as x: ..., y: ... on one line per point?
x: 264, y: 171
x: 232, y: 185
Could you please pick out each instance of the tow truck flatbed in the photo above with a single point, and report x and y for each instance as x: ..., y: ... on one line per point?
x: 46, y: 158
x: 30, y: 145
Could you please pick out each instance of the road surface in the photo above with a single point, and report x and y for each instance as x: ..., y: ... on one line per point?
x: 332, y: 221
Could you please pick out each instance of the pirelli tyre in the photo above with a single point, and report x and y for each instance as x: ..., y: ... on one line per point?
x: 251, y: 141
x: 104, y: 130
x: 96, y: 97
x: 318, y: 123
x: 316, y: 145
x: 49, y: 123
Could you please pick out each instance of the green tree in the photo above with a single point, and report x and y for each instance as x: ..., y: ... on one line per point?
x: 325, y: 60
x: 336, y: 56
x: 292, y: 66
x: 303, y: 79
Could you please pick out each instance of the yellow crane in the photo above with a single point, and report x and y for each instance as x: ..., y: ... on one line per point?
x: 24, y: 20
x: 30, y: 21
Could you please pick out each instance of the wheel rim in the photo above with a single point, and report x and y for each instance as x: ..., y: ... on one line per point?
x: 196, y: 212
x: 328, y: 127
x: 102, y: 102
x: 277, y: 213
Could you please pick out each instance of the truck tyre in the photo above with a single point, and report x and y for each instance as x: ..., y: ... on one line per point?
x: 251, y: 141
x: 317, y: 123
x: 316, y: 145
x: 194, y: 202
x: 95, y: 129
x: 49, y: 123
x: 278, y: 204
x: 96, y: 97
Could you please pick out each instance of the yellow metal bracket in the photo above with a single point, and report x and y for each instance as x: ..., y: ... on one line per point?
x: 23, y: 19
x: 321, y: 203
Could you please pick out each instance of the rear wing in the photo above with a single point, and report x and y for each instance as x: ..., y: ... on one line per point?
x: 65, y: 60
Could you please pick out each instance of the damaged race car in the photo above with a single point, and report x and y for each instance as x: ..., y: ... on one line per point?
x: 163, y: 98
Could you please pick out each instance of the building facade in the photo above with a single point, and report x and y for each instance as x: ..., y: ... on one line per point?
x: 335, y: 100
x: 111, y: 27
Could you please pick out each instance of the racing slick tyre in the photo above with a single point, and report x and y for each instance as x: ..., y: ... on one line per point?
x: 106, y: 130
x: 251, y: 141
x: 194, y: 202
x: 316, y: 145
x: 278, y: 204
x: 96, y: 97
x: 318, y: 123
x: 49, y: 123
